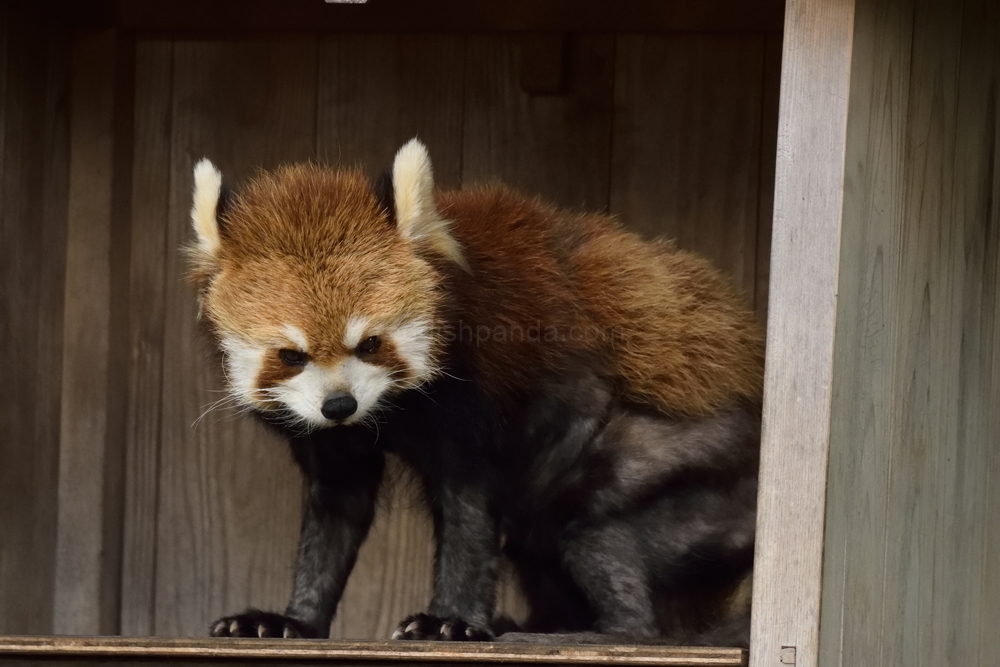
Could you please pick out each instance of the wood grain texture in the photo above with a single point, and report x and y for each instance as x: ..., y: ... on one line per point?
x: 378, y: 91
x: 88, y: 566
x: 34, y: 87
x: 555, y: 146
x: 808, y: 204
x: 924, y: 397
x: 147, y: 292
x: 989, y: 638
x: 867, y: 335
x: 968, y: 575
x: 679, y: 660
x: 87, y: 441
x: 768, y: 154
x: 909, y: 575
x: 118, y: 334
x: 385, y: 652
x: 687, y: 141
x: 50, y: 239
x: 452, y: 16
x: 229, y: 500
x: 964, y: 273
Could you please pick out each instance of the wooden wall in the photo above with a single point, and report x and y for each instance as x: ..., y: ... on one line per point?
x: 911, y: 571
x: 180, y: 515
x: 665, y: 131
x: 34, y: 91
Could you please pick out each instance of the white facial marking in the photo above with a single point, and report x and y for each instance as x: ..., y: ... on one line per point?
x: 297, y: 337
x: 367, y: 382
x: 305, y: 393
x: 413, y: 344
x: 243, y: 361
x: 356, y: 328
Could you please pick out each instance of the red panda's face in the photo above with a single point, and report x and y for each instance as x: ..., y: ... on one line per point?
x: 325, y: 342
x: 321, y: 299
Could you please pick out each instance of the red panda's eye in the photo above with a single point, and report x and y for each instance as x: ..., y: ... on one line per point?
x: 293, y: 357
x: 369, y: 345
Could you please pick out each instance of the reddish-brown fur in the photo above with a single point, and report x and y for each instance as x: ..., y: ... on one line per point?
x: 313, y: 245
x: 672, y: 329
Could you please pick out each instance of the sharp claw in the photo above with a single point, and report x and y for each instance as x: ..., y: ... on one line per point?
x: 234, y: 627
x: 412, y: 626
x: 219, y: 628
x: 261, y: 630
x: 445, y: 630
x: 397, y: 633
x: 289, y: 633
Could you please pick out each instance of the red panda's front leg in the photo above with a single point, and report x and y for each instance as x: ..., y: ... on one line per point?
x: 465, y: 569
x: 338, y: 512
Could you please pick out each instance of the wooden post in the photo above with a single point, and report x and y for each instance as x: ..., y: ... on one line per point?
x: 805, y: 254
x: 878, y: 510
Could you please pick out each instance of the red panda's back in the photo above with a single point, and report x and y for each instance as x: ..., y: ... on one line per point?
x: 549, y: 288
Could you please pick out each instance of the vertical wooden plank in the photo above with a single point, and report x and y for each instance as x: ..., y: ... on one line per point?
x: 964, y: 521
x: 989, y: 638
x: 25, y: 561
x: 88, y: 576
x: 147, y: 293
x: 687, y: 134
x: 83, y: 424
x: 375, y: 93
x: 378, y: 91
x: 229, y: 498
x: 809, y: 175
x: 556, y: 146
x: 768, y: 155
x: 118, y: 334
x: 913, y: 430
x: 923, y: 381
x: 862, y: 422
x: 51, y: 281
x: 4, y: 28
x: 34, y: 84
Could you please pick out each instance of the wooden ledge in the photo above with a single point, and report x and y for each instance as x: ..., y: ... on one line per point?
x: 153, y: 650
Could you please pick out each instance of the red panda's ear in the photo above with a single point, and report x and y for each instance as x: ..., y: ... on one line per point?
x: 204, y: 213
x: 416, y: 214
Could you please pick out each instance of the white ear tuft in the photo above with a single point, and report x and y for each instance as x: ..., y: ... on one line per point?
x: 207, y: 189
x: 413, y: 194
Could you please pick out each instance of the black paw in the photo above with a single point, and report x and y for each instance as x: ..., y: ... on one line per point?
x: 256, y: 623
x: 425, y: 626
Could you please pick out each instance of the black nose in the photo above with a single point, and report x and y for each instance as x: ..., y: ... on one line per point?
x: 339, y: 406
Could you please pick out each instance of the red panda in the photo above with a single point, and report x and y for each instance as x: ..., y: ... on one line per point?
x: 573, y: 397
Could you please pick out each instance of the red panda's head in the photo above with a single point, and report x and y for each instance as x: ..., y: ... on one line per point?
x: 322, y: 294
